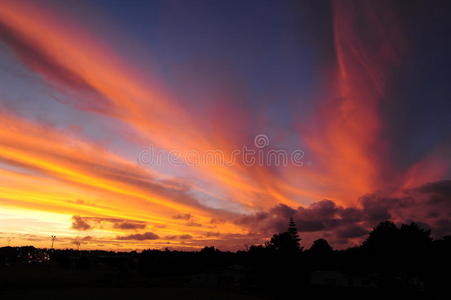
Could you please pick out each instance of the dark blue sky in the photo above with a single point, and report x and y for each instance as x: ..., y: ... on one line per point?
x: 273, y: 59
x: 276, y: 53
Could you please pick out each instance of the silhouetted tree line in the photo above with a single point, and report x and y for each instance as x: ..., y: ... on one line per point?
x: 401, y: 260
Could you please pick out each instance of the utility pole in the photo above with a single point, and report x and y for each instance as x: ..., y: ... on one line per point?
x: 9, y: 241
x: 78, y: 245
x: 53, y: 240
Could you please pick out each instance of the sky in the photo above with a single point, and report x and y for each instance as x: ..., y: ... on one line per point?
x: 128, y: 125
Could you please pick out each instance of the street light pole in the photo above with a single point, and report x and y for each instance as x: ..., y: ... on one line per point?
x: 53, y: 240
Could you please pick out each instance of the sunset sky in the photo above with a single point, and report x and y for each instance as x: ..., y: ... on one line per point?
x: 110, y: 112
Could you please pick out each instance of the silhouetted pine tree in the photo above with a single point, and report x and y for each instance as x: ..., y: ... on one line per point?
x: 288, y: 241
x: 293, y: 231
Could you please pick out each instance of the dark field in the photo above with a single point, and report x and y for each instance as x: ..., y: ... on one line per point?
x: 30, y: 281
x: 393, y: 263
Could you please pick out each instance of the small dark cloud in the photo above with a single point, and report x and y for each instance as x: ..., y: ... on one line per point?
x: 193, y: 224
x: 217, y: 221
x: 185, y: 237
x: 78, y: 201
x: 129, y: 225
x: 85, y: 223
x: 139, y: 236
x: 78, y: 223
x: 182, y: 217
x: 179, y: 237
x: 212, y: 234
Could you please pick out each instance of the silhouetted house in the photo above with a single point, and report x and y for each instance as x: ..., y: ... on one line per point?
x: 234, y: 276
x: 335, y: 278
x: 408, y: 281
x: 364, y: 280
x: 329, y: 278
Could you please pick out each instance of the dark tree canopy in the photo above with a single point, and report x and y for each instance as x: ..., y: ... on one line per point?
x: 321, y: 246
x: 288, y: 242
x: 383, y: 237
x: 387, y: 237
x: 415, y: 238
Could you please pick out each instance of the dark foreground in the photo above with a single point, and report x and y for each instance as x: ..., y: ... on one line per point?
x: 107, y: 275
x: 39, y: 281
x: 393, y: 263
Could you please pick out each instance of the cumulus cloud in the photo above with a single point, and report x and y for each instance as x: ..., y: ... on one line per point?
x: 139, y: 236
x: 352, y: 231
x: 440, y: 188
x: 319, y: 216
x: 429, y: 205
